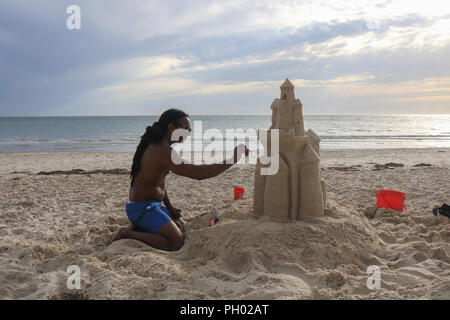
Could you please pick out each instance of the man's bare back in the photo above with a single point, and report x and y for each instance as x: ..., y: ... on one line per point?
x: 149, y: 184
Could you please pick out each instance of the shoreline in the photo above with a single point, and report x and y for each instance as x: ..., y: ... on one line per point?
x: 321, y: 149
x: 31, y: 161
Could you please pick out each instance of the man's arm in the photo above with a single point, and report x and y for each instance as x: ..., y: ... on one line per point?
x: 166, y: 200
x: 175, y: 213
x: 198, y: 172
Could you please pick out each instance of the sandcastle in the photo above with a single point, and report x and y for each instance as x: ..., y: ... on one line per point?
x: 297, y: 190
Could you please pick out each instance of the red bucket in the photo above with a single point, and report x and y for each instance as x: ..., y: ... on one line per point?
x: 238, y: 193
x: 390, y: 199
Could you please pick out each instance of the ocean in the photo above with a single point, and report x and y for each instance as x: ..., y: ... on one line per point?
x: 121, y: 133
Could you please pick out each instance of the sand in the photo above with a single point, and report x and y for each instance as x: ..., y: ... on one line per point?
x: 51, y: 221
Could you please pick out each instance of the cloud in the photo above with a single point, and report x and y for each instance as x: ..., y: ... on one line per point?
x: 231, y: 55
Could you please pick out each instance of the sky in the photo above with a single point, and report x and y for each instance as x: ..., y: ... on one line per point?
x: 224, y: 57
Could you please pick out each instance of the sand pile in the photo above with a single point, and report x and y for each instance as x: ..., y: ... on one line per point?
x: 289, y: 261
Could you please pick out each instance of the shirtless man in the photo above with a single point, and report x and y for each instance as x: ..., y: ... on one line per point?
x: 150, y: 221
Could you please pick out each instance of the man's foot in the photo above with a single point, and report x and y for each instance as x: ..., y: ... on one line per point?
x: 120, y: 234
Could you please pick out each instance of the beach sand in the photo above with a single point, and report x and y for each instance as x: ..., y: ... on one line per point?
x: 51, y: 221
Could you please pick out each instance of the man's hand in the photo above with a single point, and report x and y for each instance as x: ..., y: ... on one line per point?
x: 242, y: 148
x: 174, y: 213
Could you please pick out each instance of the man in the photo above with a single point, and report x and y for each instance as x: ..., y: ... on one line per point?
x: 151, y: 222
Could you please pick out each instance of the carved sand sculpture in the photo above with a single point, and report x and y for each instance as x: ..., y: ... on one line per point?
x: 297, y: 190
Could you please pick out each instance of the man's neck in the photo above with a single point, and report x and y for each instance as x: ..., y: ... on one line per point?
x: 166, y: 141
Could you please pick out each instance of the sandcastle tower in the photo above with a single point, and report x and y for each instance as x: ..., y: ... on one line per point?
x: 297, y: 190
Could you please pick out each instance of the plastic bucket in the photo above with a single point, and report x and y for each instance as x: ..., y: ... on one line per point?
x: 238, y: 193
x: 390, y: 199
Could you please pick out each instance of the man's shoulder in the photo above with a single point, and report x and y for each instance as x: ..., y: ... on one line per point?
x: 158, y: 148
x: 160, y: 152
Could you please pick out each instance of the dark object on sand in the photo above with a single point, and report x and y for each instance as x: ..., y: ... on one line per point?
x: 395, y: 165
x: 214, y: 218
x: 443, y: 211
x: 423, y: 165
x: 390, y: 165
x: 81, y: 171
x: 350, y: 168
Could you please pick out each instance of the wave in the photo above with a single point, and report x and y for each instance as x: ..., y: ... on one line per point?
x: 223, y: 139
x: 383, y: 137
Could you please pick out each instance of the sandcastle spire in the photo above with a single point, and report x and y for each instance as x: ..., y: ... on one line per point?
x: 287, y: 90
x: 287, y: 84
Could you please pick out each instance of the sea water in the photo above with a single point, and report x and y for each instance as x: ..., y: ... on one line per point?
x: 122, y: 133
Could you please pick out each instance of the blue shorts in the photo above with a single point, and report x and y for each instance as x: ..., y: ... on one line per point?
x: 148, y: 216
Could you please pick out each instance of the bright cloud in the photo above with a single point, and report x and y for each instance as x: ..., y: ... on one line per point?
x: 133, y: 56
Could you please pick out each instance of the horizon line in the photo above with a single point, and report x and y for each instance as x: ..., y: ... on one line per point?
x: 221, y: 115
